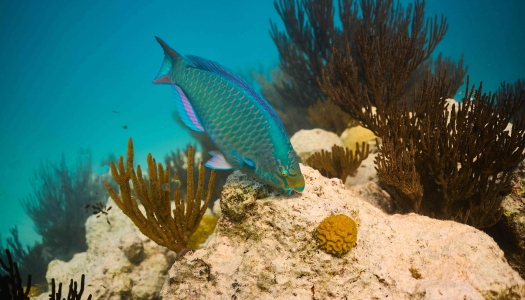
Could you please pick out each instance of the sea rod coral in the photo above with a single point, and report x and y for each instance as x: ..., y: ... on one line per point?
x: 167, y: 227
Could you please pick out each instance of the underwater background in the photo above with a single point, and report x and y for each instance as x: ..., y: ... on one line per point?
x: 77, y: 75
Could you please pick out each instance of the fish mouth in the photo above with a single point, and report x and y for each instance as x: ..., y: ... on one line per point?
x: 299, y: 189
x: 289, y: 190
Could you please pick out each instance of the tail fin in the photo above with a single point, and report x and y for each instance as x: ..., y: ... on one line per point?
x: 169, y: 56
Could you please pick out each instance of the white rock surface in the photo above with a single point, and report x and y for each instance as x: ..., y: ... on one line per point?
x: 307, y: 142
x: 270, y: 252
x: 120, y: 263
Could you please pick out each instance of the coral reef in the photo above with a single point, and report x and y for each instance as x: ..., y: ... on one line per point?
x: 167, y: 227
x: 11, y: 286
x: 327, y: 115
x: 120, y: 262
x: 354, y: 136
x: 72, y: 294
x: 509, y: 232
x: 292, y: 114
x: 506, y: 89
x: 340, y: 162
x: 308, y: 142
x: 203, y: 232
x: 311, y: 35
x: 177, y: 161
x: 56, y: 208
x: 272, y: 253
x: 460, y: 161
x: 337, y: 234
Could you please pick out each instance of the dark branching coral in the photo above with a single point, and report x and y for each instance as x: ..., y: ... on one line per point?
x: 72, y: 294
x: 368, y: 29
x: 455, y: 72
x: 11, y: 286
x: 304, y: 47
x: 453, y: 165
x: 30, y: 260
x: 291, y: 114
x: 17, y: 251
x: 386, y: 64
x: 329, y: 116
x: 56, y: 208
x: 166, y: 227
x: 446, y: 165
x: 506, y: 89
x: 340, y: 162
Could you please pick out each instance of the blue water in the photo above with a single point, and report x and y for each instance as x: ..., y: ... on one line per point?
x: 67, y: 65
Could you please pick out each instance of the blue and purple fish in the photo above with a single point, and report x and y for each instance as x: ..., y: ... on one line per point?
x: 246, y: 130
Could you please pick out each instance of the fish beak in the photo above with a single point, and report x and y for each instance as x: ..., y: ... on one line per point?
x: 299, y: 189
x: 289, y: 190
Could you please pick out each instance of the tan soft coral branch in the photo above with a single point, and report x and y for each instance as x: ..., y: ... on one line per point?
x: 169, y: 228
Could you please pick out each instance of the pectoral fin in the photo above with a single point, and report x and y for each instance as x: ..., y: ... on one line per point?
x: 218, y: 162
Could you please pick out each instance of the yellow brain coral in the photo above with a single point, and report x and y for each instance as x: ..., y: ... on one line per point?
x: 337, y: 234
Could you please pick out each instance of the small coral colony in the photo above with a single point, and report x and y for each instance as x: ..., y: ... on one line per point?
x: 447, y: 160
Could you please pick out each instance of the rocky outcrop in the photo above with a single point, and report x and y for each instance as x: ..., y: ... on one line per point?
x: 268, y: 251
x: 307, y: 142
x: 120, y: 263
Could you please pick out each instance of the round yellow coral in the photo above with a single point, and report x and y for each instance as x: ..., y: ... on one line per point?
x: 205, y: 229
x: 337, y: 234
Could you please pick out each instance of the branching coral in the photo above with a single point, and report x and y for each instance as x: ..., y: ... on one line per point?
x: 506, y: 89
x: 291, y: 113
x: 311, y: 35
x: 330, y: 117
x: 72, y: 294
x: 166, y: 227
x: 30, y: 260
x: 176, y: 160
x: 11, y: 284
x: 56, y: 209
x: 340, y: 162
x: 453, y: 165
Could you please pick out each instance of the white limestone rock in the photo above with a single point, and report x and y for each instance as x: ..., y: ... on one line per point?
x: 271, y: 252
x: 307, y: 142
x: 120, y: 263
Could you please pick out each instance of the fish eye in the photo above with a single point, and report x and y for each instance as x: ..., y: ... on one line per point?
x: 284, y: 173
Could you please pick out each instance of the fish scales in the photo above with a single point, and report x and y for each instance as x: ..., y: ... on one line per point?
x: 242, y: 125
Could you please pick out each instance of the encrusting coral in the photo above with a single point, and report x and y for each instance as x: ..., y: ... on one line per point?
x: 203, y: 232
x: 337, y: 234
x: 340, y: 162
x: 166, y: 227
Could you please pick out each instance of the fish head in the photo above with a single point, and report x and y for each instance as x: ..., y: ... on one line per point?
x: 290, y: 178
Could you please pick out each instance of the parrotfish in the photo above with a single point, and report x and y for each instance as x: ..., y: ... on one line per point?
x: 245, y: 129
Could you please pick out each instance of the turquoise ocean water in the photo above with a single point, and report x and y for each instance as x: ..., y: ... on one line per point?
x: 75, y: 73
